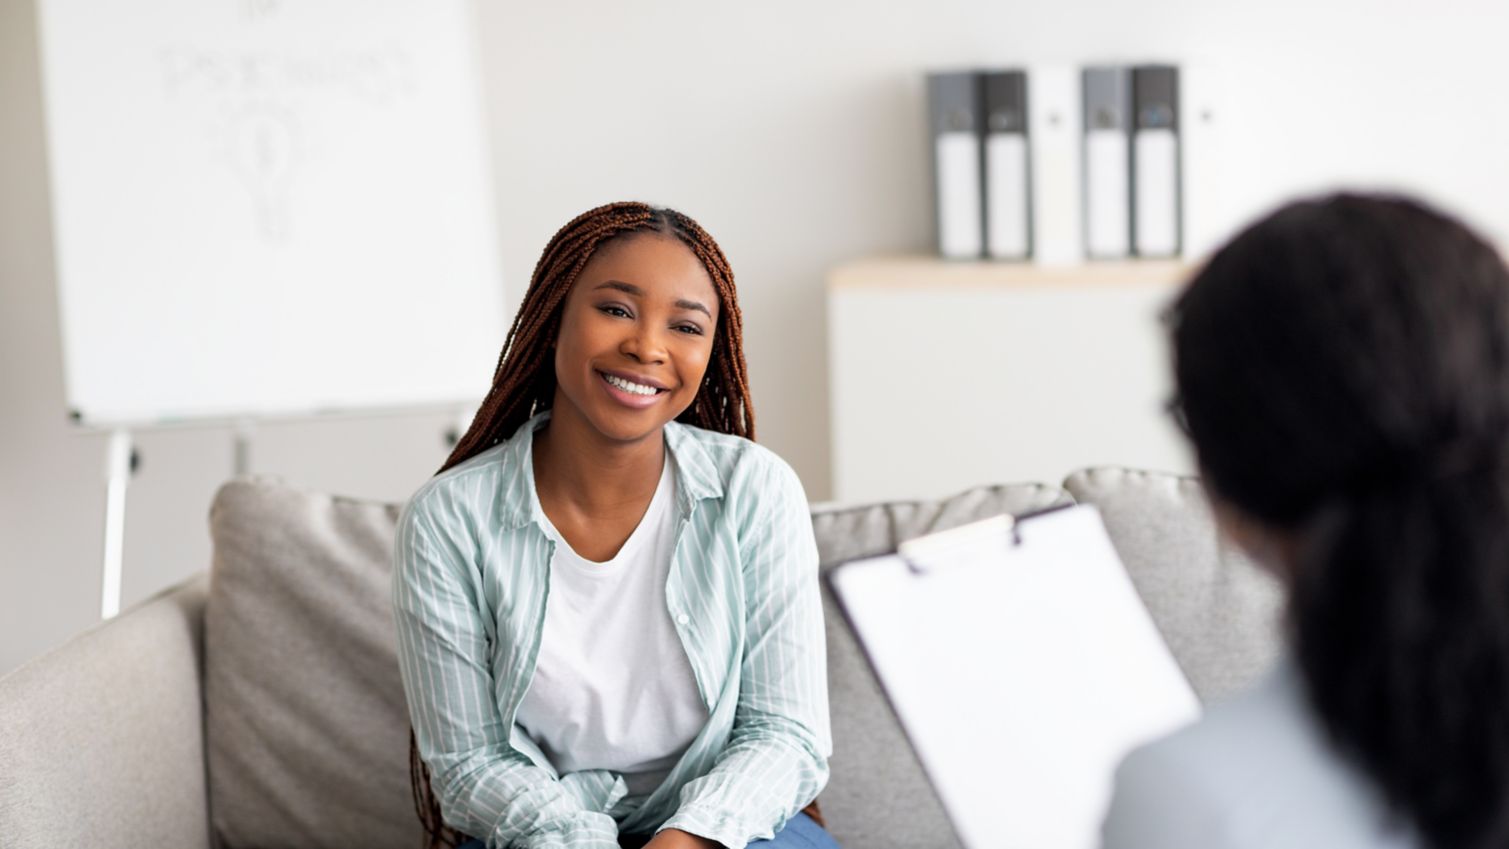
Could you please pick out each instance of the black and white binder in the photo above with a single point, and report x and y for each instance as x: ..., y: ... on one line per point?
x: 1022, y: 665
x: 954, y: 105
x: 1107, y: 162
x: 1054, y: 135
x: 1008, y: 185
x: 1156, y: 175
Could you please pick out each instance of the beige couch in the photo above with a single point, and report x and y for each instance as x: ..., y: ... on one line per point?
x: 259, y: 705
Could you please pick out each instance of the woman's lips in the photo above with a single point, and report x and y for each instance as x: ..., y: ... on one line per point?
x: 625, y: 397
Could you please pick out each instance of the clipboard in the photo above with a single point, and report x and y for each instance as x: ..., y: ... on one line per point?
x: 1022, y: 665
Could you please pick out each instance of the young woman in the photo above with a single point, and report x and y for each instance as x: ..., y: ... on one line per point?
x: 607, y: 601
x: 1343, y: 373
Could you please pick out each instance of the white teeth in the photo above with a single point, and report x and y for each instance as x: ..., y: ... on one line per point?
x: 630, y: 387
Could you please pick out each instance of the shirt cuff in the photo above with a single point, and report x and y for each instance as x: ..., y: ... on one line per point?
x: 716, y: 825
x: 584, y: 830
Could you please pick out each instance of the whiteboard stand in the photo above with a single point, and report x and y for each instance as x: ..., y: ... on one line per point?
x: 241, y: 463
x: 464, y: 417
x: 118, y: 476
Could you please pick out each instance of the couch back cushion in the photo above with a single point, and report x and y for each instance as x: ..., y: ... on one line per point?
x: 306, y: 729
x: 1216, y: 609
x: 305, y: 722
x: 878, y: 796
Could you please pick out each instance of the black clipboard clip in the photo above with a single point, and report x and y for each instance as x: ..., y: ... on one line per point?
x: 937, y: 550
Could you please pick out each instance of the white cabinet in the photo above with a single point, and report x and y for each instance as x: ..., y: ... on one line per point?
x: 946, y: 375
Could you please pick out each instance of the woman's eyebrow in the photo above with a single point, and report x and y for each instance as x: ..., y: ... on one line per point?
x: 621, y: 286
x: 630, y: 288
x: 694, y: 305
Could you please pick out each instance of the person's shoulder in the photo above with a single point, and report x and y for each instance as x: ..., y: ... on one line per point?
x: 1188, y: 788
x: 1163, y: 798
x: 1257, y: 769
x: 462, y: 487
x: 726, y: 446
x: 734, y: 459
x: 1233, y: 738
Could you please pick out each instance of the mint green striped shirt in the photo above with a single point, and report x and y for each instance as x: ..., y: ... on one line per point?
x: 470, y: 580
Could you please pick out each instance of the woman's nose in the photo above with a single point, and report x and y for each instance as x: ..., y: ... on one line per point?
x: 645, y: 344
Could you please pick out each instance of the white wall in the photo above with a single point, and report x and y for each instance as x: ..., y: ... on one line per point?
x: 792, y: 130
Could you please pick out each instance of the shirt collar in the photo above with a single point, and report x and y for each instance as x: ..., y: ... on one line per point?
x: 696, y: 474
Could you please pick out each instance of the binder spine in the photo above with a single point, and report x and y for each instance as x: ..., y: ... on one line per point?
x: 1054, y: 139
x: 1008, y: 222
x: 1156, y: 153
x: 1107, y: 163
x: 954, y: 107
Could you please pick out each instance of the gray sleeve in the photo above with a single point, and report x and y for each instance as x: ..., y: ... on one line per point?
x: 1163, y: 801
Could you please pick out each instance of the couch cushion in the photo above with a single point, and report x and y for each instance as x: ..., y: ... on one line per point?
x: 1217, y: 611
x: 877, y: 795
x: 99, y: 739
x: 305, y: 723
x: 306, y: 727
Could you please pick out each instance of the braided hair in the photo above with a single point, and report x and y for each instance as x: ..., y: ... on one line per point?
x: 1343, y: 372
x: 524, y: 380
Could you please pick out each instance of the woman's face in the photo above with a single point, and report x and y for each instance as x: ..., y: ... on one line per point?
x: 636, y: 335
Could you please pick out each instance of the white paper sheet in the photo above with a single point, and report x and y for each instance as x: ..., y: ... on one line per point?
x: 1023, y: 671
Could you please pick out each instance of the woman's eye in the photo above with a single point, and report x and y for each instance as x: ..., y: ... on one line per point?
x: 689, y: 329
x: 614, y: 310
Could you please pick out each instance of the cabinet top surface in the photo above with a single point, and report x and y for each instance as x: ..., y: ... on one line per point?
x: 905, y: 271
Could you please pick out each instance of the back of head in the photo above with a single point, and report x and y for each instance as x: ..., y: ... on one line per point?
x: 1343, y: 371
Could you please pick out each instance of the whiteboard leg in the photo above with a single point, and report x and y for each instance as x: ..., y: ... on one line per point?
x: 244, y: 428
x: 118, y: 475
x: 464, y: 418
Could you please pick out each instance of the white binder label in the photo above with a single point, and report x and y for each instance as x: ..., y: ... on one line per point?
x: 1006, y: 195
x: 1157, y: 202
x: 1107, y: 194
x: 1053, y: 98
x: 959, y: 224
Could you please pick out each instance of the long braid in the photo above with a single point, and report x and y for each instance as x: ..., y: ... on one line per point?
x: 524, y: 379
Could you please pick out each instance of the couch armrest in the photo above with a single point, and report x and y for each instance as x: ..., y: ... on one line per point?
x: 102, y: 740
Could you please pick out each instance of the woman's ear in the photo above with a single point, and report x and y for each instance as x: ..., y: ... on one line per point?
x: 1271, y: 548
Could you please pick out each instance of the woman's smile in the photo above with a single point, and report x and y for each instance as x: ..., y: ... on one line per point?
x: 632, y: 390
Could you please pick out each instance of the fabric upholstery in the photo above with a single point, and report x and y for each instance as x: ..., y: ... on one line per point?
x: 304, y: 726
x: 101, y: 741
x: 1216, y: 609
x: 304, y: 576
x: 877, y: 794
x: 305, y: 721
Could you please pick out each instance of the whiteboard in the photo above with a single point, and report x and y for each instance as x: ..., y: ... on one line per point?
x: 268, y: 207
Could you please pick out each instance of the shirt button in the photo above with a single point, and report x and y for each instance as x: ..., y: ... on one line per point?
x: 682, y: 619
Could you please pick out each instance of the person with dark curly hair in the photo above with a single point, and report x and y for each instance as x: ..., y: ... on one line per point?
x: 1342, y: 371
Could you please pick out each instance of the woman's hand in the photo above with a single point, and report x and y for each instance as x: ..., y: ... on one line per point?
x: 675, y: 838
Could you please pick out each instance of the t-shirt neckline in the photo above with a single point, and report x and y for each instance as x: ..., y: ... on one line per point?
x: 653, y: 514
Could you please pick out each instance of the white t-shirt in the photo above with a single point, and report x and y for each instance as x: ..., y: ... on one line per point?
x: 613, y: 688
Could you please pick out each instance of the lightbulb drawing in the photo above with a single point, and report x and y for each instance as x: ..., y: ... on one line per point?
x: 259, y: 9
x: 264, y: 148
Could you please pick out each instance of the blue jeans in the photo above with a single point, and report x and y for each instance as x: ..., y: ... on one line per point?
x: 800, y: 832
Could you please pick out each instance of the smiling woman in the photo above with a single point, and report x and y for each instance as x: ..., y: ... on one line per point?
x: 631, y: 355
x: 607, y: 604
